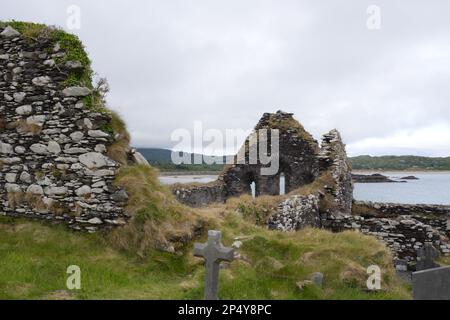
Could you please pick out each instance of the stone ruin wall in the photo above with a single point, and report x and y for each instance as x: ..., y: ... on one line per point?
x: 53, y: 162
x: 299, y: 211
x: 404, y: 228
x: 298, y: 161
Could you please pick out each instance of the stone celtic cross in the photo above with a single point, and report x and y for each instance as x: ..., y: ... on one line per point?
x: 213, y: 252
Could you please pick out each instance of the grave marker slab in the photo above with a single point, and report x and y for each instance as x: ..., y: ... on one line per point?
x: 426, y: 257
x: 431, y: 284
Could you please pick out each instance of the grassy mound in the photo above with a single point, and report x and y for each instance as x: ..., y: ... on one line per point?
x: 157, y: 219
x: 35, y: 258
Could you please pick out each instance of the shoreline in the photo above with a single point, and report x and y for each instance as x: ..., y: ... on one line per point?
x: 212, y: 173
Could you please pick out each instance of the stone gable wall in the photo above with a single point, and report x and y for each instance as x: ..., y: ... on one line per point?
x: 53, y: 162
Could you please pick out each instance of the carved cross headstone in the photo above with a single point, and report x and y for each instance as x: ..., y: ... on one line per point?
x: 213, y: 252
x: 426, y: 257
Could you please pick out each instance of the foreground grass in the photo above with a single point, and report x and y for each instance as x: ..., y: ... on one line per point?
x: 34, y: 258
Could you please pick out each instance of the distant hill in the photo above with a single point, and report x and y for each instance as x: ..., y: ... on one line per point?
x: 399, y: 163
x: 161, y: 158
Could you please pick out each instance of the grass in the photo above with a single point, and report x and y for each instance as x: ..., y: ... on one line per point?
x: 157, y: 219
x: 134, y: 261
x: 119, y: 150
x: 129, y: 263
x: 35, y: 257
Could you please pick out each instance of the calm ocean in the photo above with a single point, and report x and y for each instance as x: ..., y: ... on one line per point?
x: 431, y: 188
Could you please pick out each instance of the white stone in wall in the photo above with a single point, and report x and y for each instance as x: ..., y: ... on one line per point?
x: 49, y: 63
x: 139, y: 158
x: 53, y: 147
x: 62, y: 166
x: 35, y: 189
x: 39, y: 148
x: 87, y: 123
x: 98, y: 184
x: 19, y: 96
x: 75, y: 150
x: 76, y: 166
x: 17, y: 70
x: 36, y: 119
x: 103, y: 173
x: 76, y: 92
x: 12, y: 187
x: 97, y: 134
x: 41, y: 81
x: 93, y: 160
x: 51, y: 131
x: 45, y: 181
x: 84, y: 190
x: 5, y: 148
x: 24, y: 110
x: 10, y: 177
x: 9, y: 32
x: 76, y: 136
x: 95, y: 221
x: 4, y: 56
x: 25, y: 177
x: 100, y: 148
x: 54, y: 191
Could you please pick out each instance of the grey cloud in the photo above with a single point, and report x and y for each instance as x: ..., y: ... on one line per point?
x: 170, y: 63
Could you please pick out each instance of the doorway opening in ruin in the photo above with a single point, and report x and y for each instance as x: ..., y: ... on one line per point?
x: 282, y: 184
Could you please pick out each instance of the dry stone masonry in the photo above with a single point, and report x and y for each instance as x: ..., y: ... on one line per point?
x: 53, y: 162
x: 404, y: 228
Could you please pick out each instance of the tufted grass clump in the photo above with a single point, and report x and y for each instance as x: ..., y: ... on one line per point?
x: 120, y: 149
x: 29, y: 30
x: 157, y: 220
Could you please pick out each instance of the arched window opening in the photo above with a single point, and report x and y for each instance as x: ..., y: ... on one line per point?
x: 253, y: 189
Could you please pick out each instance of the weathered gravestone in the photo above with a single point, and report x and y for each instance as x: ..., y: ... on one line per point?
x: 214, y: 252
x: 426, y: 257
x: 431, y: 284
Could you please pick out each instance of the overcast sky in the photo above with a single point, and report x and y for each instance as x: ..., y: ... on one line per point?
x: 172, y: 62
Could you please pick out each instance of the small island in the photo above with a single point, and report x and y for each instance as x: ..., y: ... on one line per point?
x: 372, y: 178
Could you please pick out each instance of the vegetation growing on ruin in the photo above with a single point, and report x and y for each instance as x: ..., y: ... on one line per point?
x: 120, y: 148
x: 291, y: 125
x: 70, y: 43
x: 74, y: 51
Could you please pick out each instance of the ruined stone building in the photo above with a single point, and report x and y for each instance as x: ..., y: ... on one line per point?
x: 56, y: 141
x: 301, y: 162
